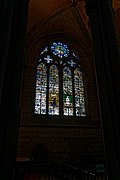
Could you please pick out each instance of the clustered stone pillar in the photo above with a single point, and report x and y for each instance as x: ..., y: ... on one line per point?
x: 107, y: 65
x: 13, y: 18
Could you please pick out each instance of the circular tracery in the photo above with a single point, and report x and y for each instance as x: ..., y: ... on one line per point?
x: 60, y: 49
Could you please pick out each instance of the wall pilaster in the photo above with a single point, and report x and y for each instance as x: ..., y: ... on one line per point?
x: 107, y: 65
x: 13, y: 18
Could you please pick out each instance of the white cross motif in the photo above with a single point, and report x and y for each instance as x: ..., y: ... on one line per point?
x: 48, y: 59
x: 73, y: 64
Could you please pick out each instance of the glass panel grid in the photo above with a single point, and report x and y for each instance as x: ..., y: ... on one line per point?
x: 48, y: 84
x: 53, y: 91
x: 67, y: 92
x: 79, y: 93
x: 41, y: 89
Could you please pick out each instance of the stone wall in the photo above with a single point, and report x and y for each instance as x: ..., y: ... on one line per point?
x: 68, y: 140
x: 64, y: 144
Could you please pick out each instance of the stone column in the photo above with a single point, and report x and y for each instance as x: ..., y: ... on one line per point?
x: 107, y: 65
x: 13, y: 19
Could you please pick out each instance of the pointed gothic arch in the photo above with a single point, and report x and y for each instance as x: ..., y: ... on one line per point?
x: 59, y: 82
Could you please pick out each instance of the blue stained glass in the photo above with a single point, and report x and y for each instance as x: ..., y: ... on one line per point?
x: 52, y: 47
x: 54, y: 44
x: 53, y: 91
x: 72, y: 63
x: 67, y: 92
x: 79, y: 93
x: 45, y: 50
x: 60, y: 49
x: 48, y: 59
x: 65, y: 46
x: 41, y: 89
x: 55, y: 71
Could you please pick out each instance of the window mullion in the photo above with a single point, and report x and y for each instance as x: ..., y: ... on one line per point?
x: 61, y: 91
x: 73, y: 91
x: 47, y: 93
x: 63, y: 79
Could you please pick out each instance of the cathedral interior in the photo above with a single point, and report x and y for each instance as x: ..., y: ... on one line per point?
x: 59, y: 90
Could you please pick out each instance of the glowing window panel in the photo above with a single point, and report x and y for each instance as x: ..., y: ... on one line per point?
x: 67, y: 92
x: 59, y: 82
x: 60, y: 49
x: 53, y: 91
x: 79, y: 93
x: 41, y: 89
x: 75, y: 55
x: 48, y: 59
x: 72, y: 63
x: 45, y: 50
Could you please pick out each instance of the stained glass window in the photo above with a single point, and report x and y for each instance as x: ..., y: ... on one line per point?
x: 41, y: 89
x: 59, y: 82
x: 53, y: 91
x: 60, y: 49
x: 67, y: 92
x: 79, y: 93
